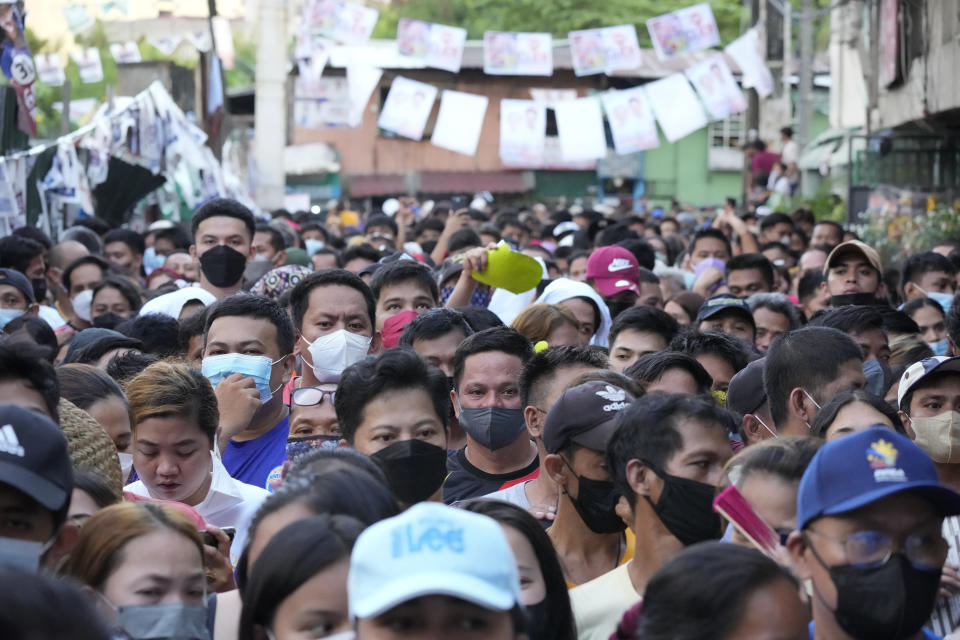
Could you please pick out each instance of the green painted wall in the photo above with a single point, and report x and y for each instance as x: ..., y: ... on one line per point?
x: 680, y: 170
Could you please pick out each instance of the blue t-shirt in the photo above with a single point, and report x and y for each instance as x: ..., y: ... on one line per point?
x: 927, y: 635
x: 259, y: 460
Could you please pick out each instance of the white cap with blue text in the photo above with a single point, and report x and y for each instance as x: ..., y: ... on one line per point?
x: 432, y: 549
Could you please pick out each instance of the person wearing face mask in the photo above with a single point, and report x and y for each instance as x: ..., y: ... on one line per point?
x: 334, y: 314
x: 114, y: 300
x: 248, y: 358
x: 666, y: 458
x: 870, y: 510
x: 929, y: 403
x: 403, y: 290
x: 145, y: 563
x: 28, y: 256
x: 486, y: 399
x: 931, y: 320
x: 223, y: 245
x: 124, y: 249
x: 929, y: 275
x: 854, y: 275
x: 586, y: 532
x: 542, y: 587
x: 865, y: 326
x: 16, y: 296
x: 393, y: 408
x: 36, y: 481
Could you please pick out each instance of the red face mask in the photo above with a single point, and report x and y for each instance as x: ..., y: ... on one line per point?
x: 393, y: 328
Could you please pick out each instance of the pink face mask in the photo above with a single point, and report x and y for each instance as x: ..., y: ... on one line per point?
x: 393, y: 328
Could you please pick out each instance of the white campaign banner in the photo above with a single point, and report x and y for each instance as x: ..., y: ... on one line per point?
x: 684, y: 31
x: 604, y: 50
x: 523, y: 132
x: 50, y: 69
x: 716, y: 87
x: 344, y: 21
x: 631, y: 120
x: 580, y: 126
x: 745, y: 51
x: 88, y: 61
x: 507, y: 53
x: 459, y: 121
x: 676, y: 106
x: 361, y: 81
x: 125, y: 52
x: 407, y: 107
x: 436, y: 45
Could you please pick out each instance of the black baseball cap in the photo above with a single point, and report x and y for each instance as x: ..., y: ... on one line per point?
x: 585, y: 415
x: 34, y: 457
x: 746, y: 393
x: 724, y: 302
x: 18, y: 281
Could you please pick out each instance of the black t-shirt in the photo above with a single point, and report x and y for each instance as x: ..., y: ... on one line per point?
x: 465, y: 481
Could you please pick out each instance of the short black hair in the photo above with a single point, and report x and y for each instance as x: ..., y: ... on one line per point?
x: 647, y: 430
x: 615, y: 234
x: 649, y: 319
x: 34, y: 234
x: 777, y: 303
x: 84, y: 385
x: 709, y: 232
x: 158, y: 332
x: 95, y: 224
x: 17, y: 252
x: 774, y: 219
x: 25, y: 361
x: 84, y: 236
x: 79, y: 262
x: 787, y: 131
x: 736, y: 352
x: 249, y: 306
x: 276, y: 238
x: 462, y: 239
x: 41, y: 605
x: 924, y: 262
x: 34, y: 328
x: 650, y: 367
x: 327, y: 251
x: 402, y: 271
x: 315, y: 225
x: 953, y: 321
x: 363, y: 251
x: 434, y: 324
x: 190, y: 327
x: 758, y: 261
x: 124, y: 286
x: 125, y: 366
x: 828, y: 413
x: 223, y: 207
x: 849, y: 319
x: 129, y: 237
x: 392, y: 370
x: 428, y: 224
x: 542, y: 367
x: 300, y: 294
x: 177, y: 236
x: 809, y: 284
x: 503, y: 339
x: 381, y: 220
x: 645, y: 275
x: 480, y: 318
x: 809, y: 358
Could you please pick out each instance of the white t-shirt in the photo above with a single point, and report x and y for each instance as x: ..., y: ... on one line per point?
x: 599, y: 605
x: 514, y: 494
x: 790, y: 153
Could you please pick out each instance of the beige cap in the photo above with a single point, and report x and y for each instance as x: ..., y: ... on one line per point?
x: 854, y: 246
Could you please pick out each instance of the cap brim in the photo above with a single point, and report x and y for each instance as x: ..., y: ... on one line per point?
x: 712, y: 311
x: 597, y: 437
x: 609, y: 287
x: 953, y: 364
x: 842, y: 250
x: 439, y: 583
x: 944, y: 498
x: 34, y: 485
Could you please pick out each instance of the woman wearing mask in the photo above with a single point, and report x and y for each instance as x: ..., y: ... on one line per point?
x: 145, y: 563
x: 297, y: 588
x: 542, y: 585
x: 114, y: 300
x: 929, y: 316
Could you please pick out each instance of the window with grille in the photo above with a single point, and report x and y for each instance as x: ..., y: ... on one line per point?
x: 727, y: 133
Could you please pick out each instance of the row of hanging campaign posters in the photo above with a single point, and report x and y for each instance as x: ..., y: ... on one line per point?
x: 681, y: 103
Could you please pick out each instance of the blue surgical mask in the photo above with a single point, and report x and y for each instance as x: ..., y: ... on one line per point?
x: 6, y: 315
x: 216, y: 368
x: 176, y: 620
x: 939, y: 347
x: 877, y: 375
x: 151, y: 260
x: 311, y: 246
x: 944, y: 299
x: 23, y: 554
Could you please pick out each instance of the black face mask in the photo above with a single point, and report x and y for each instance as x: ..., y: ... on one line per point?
x: 596, y: 503
x: 415, y: 469
x: 859, y: 299
x: 537, y: 620
x: 223, y: 266
x: 39, y: 289
x: 685, y: 508
x: 108, y: 320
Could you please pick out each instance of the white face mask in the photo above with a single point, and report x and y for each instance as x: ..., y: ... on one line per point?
x: 336, y: 351
x: 82, y: 303
x: 126, y: 464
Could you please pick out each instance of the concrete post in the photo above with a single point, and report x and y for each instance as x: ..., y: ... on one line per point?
x: 270, y: 121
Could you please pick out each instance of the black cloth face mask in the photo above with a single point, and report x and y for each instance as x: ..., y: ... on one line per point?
x: 223, y: 266
x: 685, y: 508
x: 415, y: 469
x: 596, y: 503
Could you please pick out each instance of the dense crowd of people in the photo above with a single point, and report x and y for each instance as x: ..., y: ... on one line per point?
x: 496, y: 423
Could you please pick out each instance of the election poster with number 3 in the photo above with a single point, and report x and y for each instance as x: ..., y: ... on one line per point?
x: 17, y: 64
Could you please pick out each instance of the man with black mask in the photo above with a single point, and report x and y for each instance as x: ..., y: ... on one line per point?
x: 223, y: 244
x: 854, y: 275
x: 486, y: 399
x: 393, y: 408
x: 587, y: 533
x: 666, y: 457
x: 869, y: 514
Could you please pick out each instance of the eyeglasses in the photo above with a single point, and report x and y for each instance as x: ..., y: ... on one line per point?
x: 873, y: 548
x: 310, y: 396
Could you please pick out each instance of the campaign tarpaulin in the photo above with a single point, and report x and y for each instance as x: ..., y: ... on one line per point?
x: 344, y: 21
x: 50, y: 68
x: 407, y: 107
x: 684, y: 31
x: 459, y: 122
x: 361, y: 81
x: 580, y: 128
x: 676, y: 106
x: 88, y: 61
x: 631, y: 119
x: 604, y: 50
x: 125, y: 52
x: 507, y: 53
x: 745, y: 51
x: 437, y: 45
x: 523, y: 131
x: 715, y: 84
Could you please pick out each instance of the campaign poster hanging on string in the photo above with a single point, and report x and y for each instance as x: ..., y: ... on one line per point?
x: 716, y: 87
x: 344, y: 21
x: 437, y: 45
x: 17, y: 65
x: 745, y: 51
x: 361, y: 81
x: 50, y: 69
x: 88, y: 61
x: 523, y: 132
x: 580, y: 129
x: 631, y: 119
x: 684, y: 31
x: 676, y: 106
x: 407, y: 107
x: 604, y: 50
x: 508, y: 53
x: 459, y: 122
x: 125, y: 52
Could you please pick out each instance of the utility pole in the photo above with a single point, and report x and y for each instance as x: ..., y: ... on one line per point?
x: 805, y: 97
x: 787, y: 63
x: 270, y: 118
x: 753, y: 116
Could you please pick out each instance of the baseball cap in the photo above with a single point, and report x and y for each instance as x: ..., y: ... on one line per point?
x: 19, y: 282
x: 853, y: 246
x: 585, y: 415
x: 34, y: 458
x: 432, y: 549
x: 724, y: 302
x: 861, y: 468
x: 919, y: 370
x: 745, y: 392
x: 613, y: 269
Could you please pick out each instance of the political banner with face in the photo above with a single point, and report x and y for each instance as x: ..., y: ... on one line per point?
x: 50, y: 68
x: 88, y: 61
x: 459, y: 122
x: 604, y: 50
x: 580, y: 128
x: 523, y: 132
x: 684, y: 31
x: 344, y: 21
x: 631, y: 119
x: 125, y: 52
x: 436, y: 45
x: 715, y: 84
x: 407, y: 107
x: 745, y: 51
x: 517, y: 53
x: 676, y: 106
